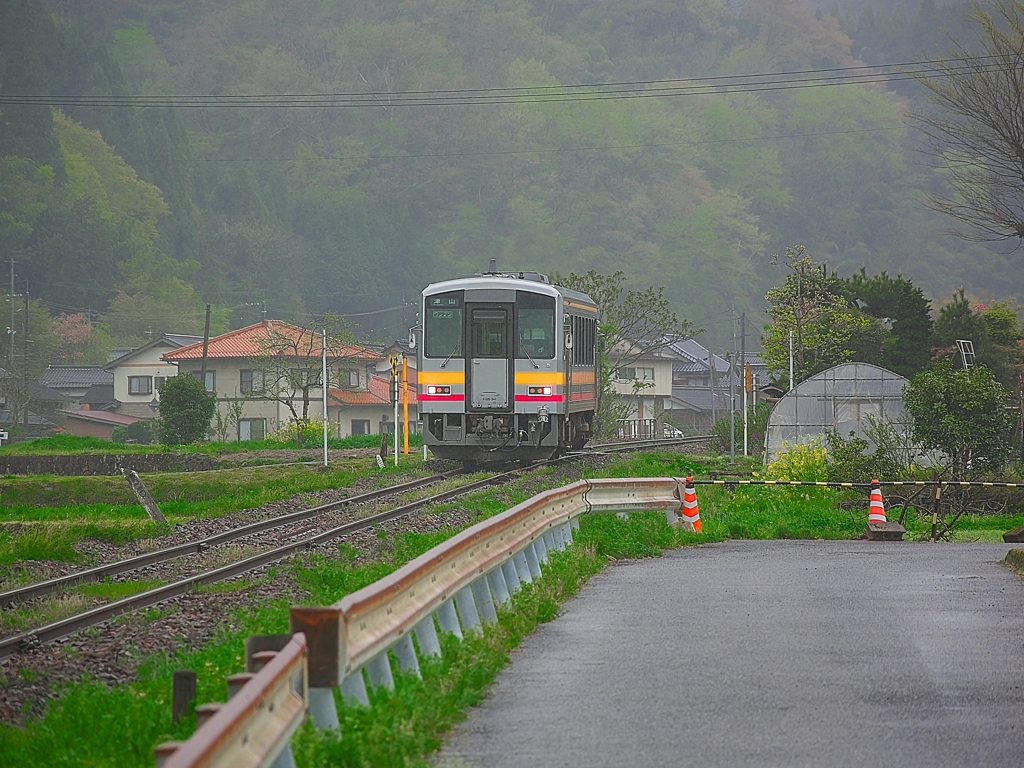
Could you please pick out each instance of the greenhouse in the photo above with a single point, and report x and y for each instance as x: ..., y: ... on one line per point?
x: 840, y: 399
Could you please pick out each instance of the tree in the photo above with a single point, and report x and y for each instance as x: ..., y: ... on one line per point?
x: 826, y: 330
x: 288, y: 365
x: 903, y: 309
x: 185, y: 410
x: 961, y: 413
x: 632, y: 324
x: 77, y: 340
x: 976, y: 125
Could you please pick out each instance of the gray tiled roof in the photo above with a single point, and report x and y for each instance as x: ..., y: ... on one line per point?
x: 58, y: 376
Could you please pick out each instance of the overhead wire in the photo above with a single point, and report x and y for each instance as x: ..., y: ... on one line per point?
x: 742, y: 83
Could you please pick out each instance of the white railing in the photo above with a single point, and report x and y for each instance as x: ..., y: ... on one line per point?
x: 460, y: 584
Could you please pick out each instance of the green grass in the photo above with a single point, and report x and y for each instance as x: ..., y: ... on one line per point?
x: 64, y: 443
x: 99, y: 726
x: 35, y: 530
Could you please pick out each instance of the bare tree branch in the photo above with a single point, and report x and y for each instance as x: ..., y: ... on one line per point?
x: 975, y: 125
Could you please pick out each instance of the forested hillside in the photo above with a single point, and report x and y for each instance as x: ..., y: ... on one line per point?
x: 141, y: 214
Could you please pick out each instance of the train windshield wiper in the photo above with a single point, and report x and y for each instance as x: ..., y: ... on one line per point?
x: 526, y: 352
x: 450, y: 355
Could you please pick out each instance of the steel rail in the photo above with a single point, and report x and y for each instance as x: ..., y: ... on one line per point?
x: 64, y: 627
x: 50, y: 586
x: 644, y: 443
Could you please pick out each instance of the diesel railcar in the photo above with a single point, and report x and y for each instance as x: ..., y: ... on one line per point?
x: 507, y: 367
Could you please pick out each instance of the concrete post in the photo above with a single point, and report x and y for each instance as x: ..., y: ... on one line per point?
x: 406, y: 655
x: 379, y: 671
x: 522, y: 567
x: 354, y: 687
x: 467, y: 609
x: 484, y: 603
x: 532, y: 559
x: 426, y: 636
x: 508, y: 570
x: 448, y: 619
x: 322, y: 709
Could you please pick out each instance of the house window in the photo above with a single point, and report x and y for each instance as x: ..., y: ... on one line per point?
x: 360, y: 427
x: 211, y: 379
x: 252, y: 429
x: 305, y: 377
x: 250, y: 381
x: 158, y: 381
x: 353, y: 378
x: 635, y: 374
x: 140, y: 385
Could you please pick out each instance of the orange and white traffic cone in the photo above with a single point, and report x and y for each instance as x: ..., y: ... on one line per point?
x: 876, y: 509
x: 691, y: 514
x: 878, y: 528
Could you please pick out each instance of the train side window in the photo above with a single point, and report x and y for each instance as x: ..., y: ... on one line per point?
x: 535, y: 320
x: 489, y: 333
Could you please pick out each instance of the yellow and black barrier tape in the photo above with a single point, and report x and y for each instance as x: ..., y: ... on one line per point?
x: 828, y: 484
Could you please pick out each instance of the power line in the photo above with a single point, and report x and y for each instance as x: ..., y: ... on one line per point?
x: 757, y: 82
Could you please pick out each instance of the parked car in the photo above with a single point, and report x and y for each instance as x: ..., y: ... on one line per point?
x: 671, y: 431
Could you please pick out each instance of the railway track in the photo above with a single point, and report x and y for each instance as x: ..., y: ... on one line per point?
x: 300, y: 542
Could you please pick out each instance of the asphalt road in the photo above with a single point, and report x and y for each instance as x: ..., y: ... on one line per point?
x: 770, y: 654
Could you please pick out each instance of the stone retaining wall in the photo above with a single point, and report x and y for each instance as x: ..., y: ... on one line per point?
x: 103, y: 464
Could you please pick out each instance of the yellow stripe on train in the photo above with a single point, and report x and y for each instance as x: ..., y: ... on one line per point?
x: 441, y: 377
x: 539, y: 377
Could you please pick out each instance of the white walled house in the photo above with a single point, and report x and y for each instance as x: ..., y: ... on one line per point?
x: 139, y: 373
x: 644, y: 383
x: 253, y: 397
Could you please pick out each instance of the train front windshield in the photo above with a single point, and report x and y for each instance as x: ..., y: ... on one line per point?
x: 535, y: 318
x: 443, y: 325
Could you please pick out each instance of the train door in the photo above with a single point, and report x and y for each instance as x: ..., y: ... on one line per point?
x: 490, y: 334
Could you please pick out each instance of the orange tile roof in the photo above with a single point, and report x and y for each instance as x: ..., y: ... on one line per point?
x: 378, y: 393
x: 253, y: 339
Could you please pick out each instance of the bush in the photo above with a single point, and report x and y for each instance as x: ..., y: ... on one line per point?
x: 301, y: 433
x: 757, y: 425
x: 186, y: 409
x: 802, y: 461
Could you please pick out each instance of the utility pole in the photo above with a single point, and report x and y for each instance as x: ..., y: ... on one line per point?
x: 790, y: 361
x: 10, y: 329
x: 206, y: 347
x: 743, y: 373
x: 323, y: 383
x: 24, y: 359
x: 732, y: 409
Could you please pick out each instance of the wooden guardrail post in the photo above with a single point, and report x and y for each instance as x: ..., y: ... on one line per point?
x: 183, y: 693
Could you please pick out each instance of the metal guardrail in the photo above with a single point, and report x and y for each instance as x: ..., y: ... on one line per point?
x: 460, y: 584
x: 255, y: 726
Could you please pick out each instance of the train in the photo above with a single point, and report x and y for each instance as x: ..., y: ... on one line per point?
x: 507, y: 367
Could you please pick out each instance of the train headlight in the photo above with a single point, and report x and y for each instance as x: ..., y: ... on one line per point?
x: 540, y: 390
x: 433, y: 389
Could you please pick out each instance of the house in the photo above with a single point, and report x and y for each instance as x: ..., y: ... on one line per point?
x: 73, y: 381
x: 91, y: 423
x: 703, y: 381
x: 685, y: 385
x: 138, y: 373
x: 370, y: 411
x: 643, y: 384
x: 268, y: 374
x: 30, y: 407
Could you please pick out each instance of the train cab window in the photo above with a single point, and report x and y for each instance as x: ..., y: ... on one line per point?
x: 443, y: 332
x: 535, y: 320
x: 489, y: 333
